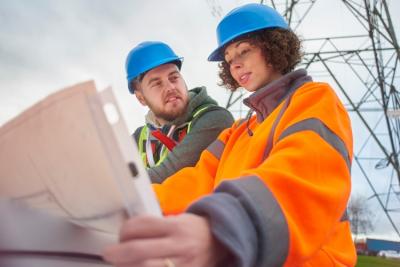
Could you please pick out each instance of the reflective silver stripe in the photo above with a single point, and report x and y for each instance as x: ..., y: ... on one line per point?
x: 267, y: 215
x: 324, y: 132
x: 269, y: 145
x: 216, y: 148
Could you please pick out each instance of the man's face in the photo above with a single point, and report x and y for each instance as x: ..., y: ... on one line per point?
x: 164, y: 91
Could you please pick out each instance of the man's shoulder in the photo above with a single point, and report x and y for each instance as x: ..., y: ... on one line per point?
x: 213, y: 115
x: 137, y: 132
x: 207, y: 107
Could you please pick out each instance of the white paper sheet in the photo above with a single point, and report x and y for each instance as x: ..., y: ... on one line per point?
x: 64, y: 157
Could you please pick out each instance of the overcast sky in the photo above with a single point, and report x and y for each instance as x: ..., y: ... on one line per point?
x: 47, y: 45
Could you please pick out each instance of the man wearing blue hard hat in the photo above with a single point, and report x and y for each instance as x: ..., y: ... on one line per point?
x: 270, y: 191
x: 180, y: 123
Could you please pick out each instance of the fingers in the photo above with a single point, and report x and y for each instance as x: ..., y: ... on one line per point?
x: 147, y: 241
x: 162, y: 262
x: 139, y: 250
x: 144, y: 227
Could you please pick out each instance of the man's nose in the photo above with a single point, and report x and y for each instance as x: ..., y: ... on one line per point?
x: 169, y: 86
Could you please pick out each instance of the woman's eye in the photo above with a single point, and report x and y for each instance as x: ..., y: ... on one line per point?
x: 244, y: 51
x: 228, y: 61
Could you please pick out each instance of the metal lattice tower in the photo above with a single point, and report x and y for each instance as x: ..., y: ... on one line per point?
x: 363, y: 68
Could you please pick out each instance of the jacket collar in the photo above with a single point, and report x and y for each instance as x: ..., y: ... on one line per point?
x: 267, y: 98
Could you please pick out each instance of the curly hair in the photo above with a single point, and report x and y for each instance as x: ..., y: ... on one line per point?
x: 281, y: 48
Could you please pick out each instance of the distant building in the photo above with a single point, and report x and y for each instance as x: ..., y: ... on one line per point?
x: 371, y: 246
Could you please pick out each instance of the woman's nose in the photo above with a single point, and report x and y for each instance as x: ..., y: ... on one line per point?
x: 236, y: 64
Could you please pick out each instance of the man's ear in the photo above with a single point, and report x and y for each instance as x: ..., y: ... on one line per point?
x: 139, y: 96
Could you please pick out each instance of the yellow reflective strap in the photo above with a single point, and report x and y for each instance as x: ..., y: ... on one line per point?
x: 142, y: 139
x: 142, y: 150
x: 197, y: 113
x: 164, y: 154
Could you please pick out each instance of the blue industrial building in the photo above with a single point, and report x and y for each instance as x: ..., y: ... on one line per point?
x: 373, y: 246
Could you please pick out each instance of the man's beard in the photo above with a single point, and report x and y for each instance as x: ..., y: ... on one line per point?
x: 171, y: 116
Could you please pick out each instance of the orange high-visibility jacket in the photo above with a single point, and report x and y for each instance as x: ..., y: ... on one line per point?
x: 299, y: 145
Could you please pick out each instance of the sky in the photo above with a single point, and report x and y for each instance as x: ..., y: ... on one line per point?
x: 48, y: 45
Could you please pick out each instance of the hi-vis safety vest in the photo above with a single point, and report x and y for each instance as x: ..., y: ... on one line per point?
x: 145, y: 147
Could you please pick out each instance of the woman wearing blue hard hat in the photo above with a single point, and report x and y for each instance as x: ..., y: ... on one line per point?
x: 271, y: 190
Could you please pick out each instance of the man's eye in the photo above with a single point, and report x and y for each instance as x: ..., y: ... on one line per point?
x: 174, y: 78
x: 156, y: 84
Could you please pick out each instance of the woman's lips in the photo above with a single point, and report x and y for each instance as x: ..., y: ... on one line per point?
x: 243, y: 79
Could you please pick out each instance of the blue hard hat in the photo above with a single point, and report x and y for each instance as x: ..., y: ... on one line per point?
x: 146, y: 56
x: 245, y: 19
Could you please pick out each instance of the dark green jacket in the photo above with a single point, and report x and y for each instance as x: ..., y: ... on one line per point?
x: 204, y: 129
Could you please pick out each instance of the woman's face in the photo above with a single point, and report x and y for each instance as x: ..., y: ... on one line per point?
x: 248, y: 65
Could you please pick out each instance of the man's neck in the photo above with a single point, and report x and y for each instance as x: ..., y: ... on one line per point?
x: 161, y: 122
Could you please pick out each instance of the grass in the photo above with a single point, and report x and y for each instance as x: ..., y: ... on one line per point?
x: 369, y: 261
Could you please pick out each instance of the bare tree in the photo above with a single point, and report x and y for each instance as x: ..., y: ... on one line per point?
x: 360, y: 215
